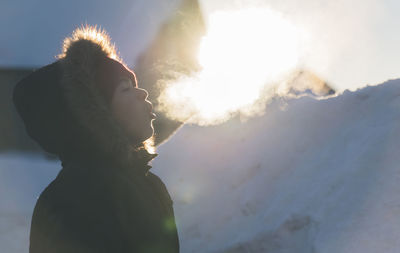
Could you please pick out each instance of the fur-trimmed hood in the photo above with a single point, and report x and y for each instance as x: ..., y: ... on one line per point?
x: 64, y: 111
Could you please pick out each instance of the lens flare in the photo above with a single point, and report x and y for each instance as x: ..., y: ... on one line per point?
x: 243, y: 51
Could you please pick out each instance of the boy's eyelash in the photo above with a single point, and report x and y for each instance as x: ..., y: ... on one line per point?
x: 127, y: 86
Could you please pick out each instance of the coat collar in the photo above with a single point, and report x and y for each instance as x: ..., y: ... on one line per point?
x: 94, y: 162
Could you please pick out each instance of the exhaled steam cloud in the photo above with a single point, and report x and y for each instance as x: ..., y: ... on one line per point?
x: 246, y: 55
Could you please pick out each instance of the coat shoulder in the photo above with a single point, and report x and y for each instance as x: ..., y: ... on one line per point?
x: 70, y: 216
x: 159, y: 185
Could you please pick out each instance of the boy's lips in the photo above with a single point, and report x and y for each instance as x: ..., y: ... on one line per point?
x: 150, y: 108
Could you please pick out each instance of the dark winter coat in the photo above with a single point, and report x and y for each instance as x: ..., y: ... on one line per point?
x: 103, y: 209
x: 104, y: 199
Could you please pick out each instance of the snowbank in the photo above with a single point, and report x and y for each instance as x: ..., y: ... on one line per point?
x: 308, y: 176
x: 330, y: 166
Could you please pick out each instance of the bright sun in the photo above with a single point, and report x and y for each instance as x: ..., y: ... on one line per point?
x: 242, y: 52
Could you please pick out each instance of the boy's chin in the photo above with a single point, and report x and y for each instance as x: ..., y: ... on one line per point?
x: 148, y: 134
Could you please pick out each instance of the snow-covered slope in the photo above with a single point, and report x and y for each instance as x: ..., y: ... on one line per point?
x: 308, y: 176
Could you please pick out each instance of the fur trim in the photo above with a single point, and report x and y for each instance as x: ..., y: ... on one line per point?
x: 97, y: 36
x: 81, y: 55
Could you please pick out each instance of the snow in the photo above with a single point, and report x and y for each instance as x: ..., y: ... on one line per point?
x: 22, y: 178
x: 309, y: 175
x: 329, y: 165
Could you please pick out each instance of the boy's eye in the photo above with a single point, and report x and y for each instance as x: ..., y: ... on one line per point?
x: 125, y: 84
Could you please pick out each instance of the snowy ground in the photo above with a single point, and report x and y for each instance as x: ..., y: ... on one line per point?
x: 309, y: 175
x: 22, y: 178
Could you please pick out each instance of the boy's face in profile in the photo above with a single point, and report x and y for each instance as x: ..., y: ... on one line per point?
x: 132, y: 111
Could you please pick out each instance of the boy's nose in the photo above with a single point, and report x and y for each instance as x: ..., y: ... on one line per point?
x: 143, y: 94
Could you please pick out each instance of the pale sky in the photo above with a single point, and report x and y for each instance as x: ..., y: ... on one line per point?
x: 32, y: 31
x: 349, y: 43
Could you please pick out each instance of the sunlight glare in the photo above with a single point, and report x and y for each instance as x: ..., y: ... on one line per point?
x: 242, y: 52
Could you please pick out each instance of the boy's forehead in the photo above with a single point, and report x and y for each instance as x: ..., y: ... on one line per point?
x: 118, y: 70
x: 131, y: 75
